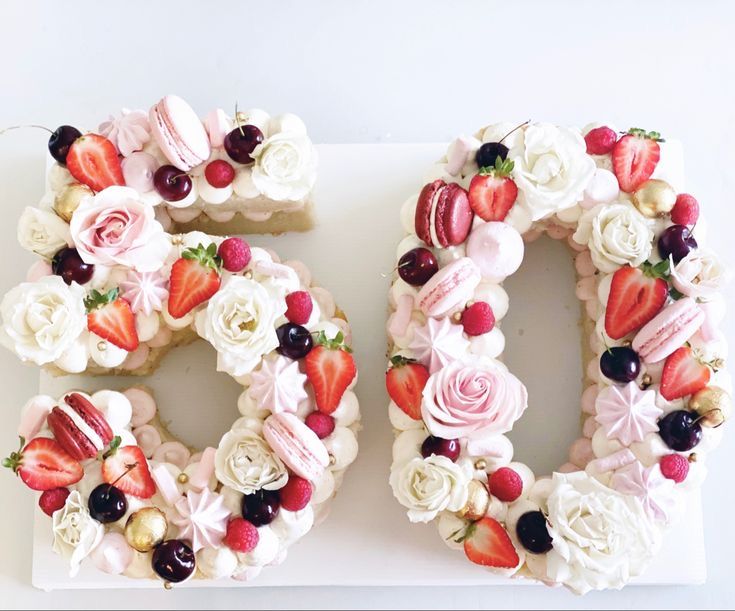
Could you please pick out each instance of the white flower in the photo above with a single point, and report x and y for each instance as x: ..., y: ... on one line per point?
x: 75, y: 532
x: 285, y: 166
x: 616, y: 234
x: 552, y: 169
x: 245, y: 462
x: 601, y: 538
x: 41, y: 320
x: 701, y: 274
x: 239, y: 322
x: 427, y: 486
x: 43, y: 232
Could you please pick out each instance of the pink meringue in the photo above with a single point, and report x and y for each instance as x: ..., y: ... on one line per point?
x: 138, y: 169
x: 438, y: 342
x: 218, y: 124
x: 497, y: 249
x: 278, y: 385
x: 627, y: 413
x: 202, y: 518
x: 113, y: 554
x: 653, y: 489
x: 144, y: 291
x: 128, y: 132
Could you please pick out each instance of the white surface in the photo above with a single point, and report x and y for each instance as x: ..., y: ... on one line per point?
x: 187, y: 388
x: 369, y: 71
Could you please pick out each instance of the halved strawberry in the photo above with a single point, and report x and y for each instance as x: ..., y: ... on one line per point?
x: 683, y: 374
x: 492, y: 192
x: 195, y: 277
x: 93, y: 161
x: 110, y: 317
x: 405, y: 381
x: 127, y: 468
x: 330, y: 368
x: 636, y: 296
x: 487, y: 543
x: 44, y: 465
x: 634, y: 158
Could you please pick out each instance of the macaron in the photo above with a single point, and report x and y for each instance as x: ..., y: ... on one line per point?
x: 443, y: 214
x: 497, y: 250
x: 668, y: 330
x: 179, y: 132
x: 79, y: 427
x: 452, y: 286
x: 296, y: 445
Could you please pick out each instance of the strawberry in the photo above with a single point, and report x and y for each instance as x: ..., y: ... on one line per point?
x: 93, y: 161
x: 683, y: 374
x: 110, y: 317
x: 330, y: 368
x: 405, y: 382
x: 636, y: 296
x: 44, y: 465
x: 493, y: 192
x: 634, y: 158
x: 487, y: 543
x: 127, y: 469
x: 195, y: 277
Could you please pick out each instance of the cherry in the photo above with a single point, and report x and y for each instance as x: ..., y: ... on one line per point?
x: 417, y: 266
x: 440, y: 447
x: 69, y: 265
x: 620, y: 363
x: 261, y: 507
x: 107, y: 503
x: 489, y: 152
x: 295, y: 341
x: 171, y: 183
x: 241, y: 142
x: 676, y: 241
x: 174, y: 561
x: 60, y: 141
x: 533, y: 534
x: 680, y: 430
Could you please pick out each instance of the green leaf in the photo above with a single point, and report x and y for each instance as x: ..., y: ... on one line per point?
x: 675, y: 293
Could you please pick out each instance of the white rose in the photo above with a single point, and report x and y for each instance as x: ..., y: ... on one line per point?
x: 285, y: 166
x: 41, y: 320
x: 601, y: 538
x: 701, y: 274
x: 245, y: 462
x: 427, y: 486
x: 239, y: 322
x: 75, y: 532
x: 43, y: 232
x: 616, y: 234
x: 551, y: 170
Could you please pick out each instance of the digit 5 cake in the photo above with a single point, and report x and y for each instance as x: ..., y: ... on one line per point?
x: 125, y: 275
x: 655, y: 393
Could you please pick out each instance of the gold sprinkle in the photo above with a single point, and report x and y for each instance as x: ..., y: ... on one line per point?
x: 248, y: 275
x: 693, y: 457
x: 167, y: 585
x: 183, y: 478
x: 102, y: 346
x: 481, y: 464
x: 332, y: 460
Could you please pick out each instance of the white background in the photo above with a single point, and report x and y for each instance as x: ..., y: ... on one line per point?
x: 369, y: 72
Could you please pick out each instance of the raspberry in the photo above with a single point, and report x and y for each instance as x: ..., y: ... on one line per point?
x: 235, y: 254
x: 296, y: 494
x: 321, y: 424
x: 506, y: 485
x: 674, y: 466
x: 478, y: 318
x: 600, y: 141
x: 219, y: 173
x: 299, y: 307
x: 241, y: 535
x: 53, y: 500
x: 686, y: 210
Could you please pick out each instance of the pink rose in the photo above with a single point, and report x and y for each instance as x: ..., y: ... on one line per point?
x: 115, y: 228
x: 472, y: 400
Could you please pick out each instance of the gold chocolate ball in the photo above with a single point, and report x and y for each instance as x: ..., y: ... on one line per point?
x: 477, y: 502
x: 183, y: 478
x: 654, y: 198
x: 68, y: 200
x: 146, y: 528
x: 713, y: 404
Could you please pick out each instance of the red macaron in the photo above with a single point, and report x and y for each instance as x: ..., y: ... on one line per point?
x: 443, y: 214
x: 67, y: 422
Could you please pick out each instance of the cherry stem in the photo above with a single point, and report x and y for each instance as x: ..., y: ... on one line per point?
x: 128, y: 468
x: 237, y: 120
x: 516, y: 128
x: 43, y: 127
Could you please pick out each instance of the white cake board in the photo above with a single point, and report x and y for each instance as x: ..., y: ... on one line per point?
x: 367, y: 540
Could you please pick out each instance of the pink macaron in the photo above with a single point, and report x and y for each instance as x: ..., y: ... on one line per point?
x: 296, y: 445
x: 443, y: 214
x: 179, y: 132
x: 452, y: 286
x: 668, y: 330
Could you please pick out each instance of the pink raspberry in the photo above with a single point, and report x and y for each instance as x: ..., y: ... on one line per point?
x: 478, y: 318
x: 241, y: 536
x: 299, y: 307
x: 321, y: 424
x: 685, y: 210
x: 296, y: 494
x: 600, y: 141
x: 219, y: 173
x: 506, y: 484
x: 235, y: 254
x: 674, y: 466
x: 53, y: 500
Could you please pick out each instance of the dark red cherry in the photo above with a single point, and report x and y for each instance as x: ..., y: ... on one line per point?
x: 488, y: 154
x: 294, y: 341
x: 241, y: 142
x: 680, y: 430
x: 417, y: 266
x: 440, y: 447
x: 174, y: 561
x: 676, y: 241
x: 107, y: 503
x: 261, y: 507
x: 60, y: 141
x: 620, y: 363
x: 533, y: 533
x: 69, y: 265
x: 172, y: 184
